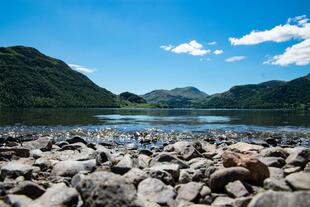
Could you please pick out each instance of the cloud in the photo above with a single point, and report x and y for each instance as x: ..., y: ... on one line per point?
x: 212, y: 43
x: 235, y: 59
x: 295, y: 28
x: 298, y: 54
x: 192, y: 48
x: 82, y: 69
x: 218, y: 52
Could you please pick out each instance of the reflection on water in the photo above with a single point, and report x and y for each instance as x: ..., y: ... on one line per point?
x: 165, y: 119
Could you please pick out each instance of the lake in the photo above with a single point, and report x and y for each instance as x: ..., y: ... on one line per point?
x: 191, y: 120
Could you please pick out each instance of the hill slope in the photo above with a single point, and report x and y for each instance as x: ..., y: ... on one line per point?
x: 30, y: 79
x: 176, y: 98
x: 293, y: 94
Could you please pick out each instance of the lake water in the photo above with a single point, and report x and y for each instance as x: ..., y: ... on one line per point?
x: 163, y: 119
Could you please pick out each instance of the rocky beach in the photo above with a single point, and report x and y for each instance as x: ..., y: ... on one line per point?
x: 169, y: 169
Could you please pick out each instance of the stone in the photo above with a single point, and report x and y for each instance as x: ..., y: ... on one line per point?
x: 156, y: 191
x: 106, y: 189
x: 36, y: 153
x: 298, y: 157
x: 281, y: 199
x: 103, y: 155
x: 273, y: 161
x: 15, y: 169
x: 202, y: 163
x: 173, y: 169
x: 223, y: 202
x: 76, y: 139
x: 135, y: 176
x: 186, y: 150
x: 242, y: 201
x: 276, y: 172
x: 18, y: 200
x: 14, y: 151
x: 143, y: 161
x: 276, y: 184
x: 189, y: 191
x: 70, y: 167
x: 124, y: 165
x: 220, y: 178
x: 299, y: 181
x: 245, y: 147
x: 161, y: 175
x: 57, y: 195
x: 291, y: 170
x: 187, y: 175
x: 274, y: 152
x: 258, y: 170
x: 236, y: 189
x: 43, y: 144
x: 43, y: 163
x: 28, y: 188
x: 165, y: 157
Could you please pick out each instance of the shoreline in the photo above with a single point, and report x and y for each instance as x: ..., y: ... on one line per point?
x: 181, y: 171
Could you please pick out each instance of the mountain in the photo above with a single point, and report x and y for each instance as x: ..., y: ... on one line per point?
x: 176, y: 98
x: 29, y: 78
x: 131, y: 97
x: 293, y: 94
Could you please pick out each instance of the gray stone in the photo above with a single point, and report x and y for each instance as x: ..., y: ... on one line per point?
x: 276, y: 172
x: 186, y: 150
x: 274, y: 152
x: 273, y: 161
x: 124, y: 165
x: 189, y: 191
x: 276, y: 184
x: 245, y: 147
x: 15, y: 169
x: 57, y: 195
x: 173, y: 169
x: 43, y: 163
x: 135, y: 176
x: 298, y: 157
x: 155, y: 190
x: 43, y: 144
x: 106, y: 189
x: 162, y: 175
x: 291, y: 170
x: 70, y: 168
x: 236, y: 189
x: 14, y: 151
x: 165, y: 157
x: 187, y: 175
x: 200, y: 163
x: 28, y: 188
x: 281, y: 199
x: 18, y: 200
x: 36, y: 153
x: 299, y: 181
x: 220, y: 178
x: 223, y: 202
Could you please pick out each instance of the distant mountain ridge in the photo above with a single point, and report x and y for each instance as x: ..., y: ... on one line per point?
x: 176, y: 98
x: 29, y: 78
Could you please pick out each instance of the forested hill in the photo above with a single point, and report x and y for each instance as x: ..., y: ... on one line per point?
x: 29, y: 78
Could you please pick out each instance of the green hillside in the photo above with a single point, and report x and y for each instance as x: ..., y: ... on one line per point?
x: 29, y: 78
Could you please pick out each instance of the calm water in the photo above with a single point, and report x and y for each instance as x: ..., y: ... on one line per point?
x: 167, y: 119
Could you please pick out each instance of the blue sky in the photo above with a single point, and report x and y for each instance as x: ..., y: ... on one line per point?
x: 139, y: 46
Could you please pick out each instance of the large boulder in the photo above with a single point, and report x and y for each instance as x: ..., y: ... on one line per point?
x: 298, y: 157
x: 15, y: 169
x: 70, y: 167
x: 258, y: 170
x: 156, y: 191
x: 281, y: 199
x: 220, y: 178
x: 299, y: 181
x: 43, y: 143
x: 106, y: 189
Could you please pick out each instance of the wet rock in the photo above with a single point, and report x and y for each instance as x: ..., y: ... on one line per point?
x: 273, y: 161
x: 298, y: 157
x: 15, y: 169
x: 258, y: 170
x: 189, y: 191
x: 28, y: 188
x: 57, y: 195
x: 70, y: 168
x: 236, y: 189
x: 18, y: 200
x: 281, y: 199
x: 220, y: 178
x: 155, y: 190
x: 165, y: 157
x: 272, y: 141
x: 106, y: 189
x: 43, y: 144
x: 124, y: 165
x: 299, y: 181
x: 186, y: 150
x: 135, y: 176
x: 14, y: 151
x: 76, y: 139
x: 276, y: 184
x: 274, y: 152
x: 245, y: 147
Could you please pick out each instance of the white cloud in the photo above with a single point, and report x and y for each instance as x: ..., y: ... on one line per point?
x: 218, y: 52
x: 192, y: 48
x: 295, y: 28
x: 235, y: 59
x: 212, y: 43
x: 298, y: 54
x: 82, y: 69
